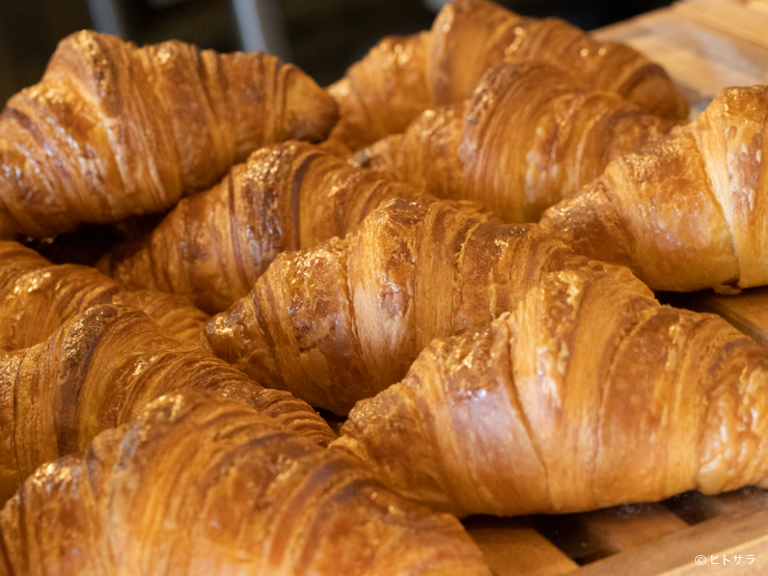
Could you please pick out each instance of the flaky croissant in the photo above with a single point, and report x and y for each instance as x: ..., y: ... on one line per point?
x: 382, y: 93
x: 343, y: 321
x: 203, y: 485
x: 529, y: 136
x: 689, y: 211
x: 36, y: 297
x: 590, y: 394
x: 100, y: 370
x: 113, y: 130
x: 213, y: 246
x: 401, y: 77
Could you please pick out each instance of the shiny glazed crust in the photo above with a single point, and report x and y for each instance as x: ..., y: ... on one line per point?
x: 113, y: 130
x: 202, y: 485
x: 529, y: 136
x: 590, y: 394
x: 214, y: 246
x: 343, y: 321
x: 100, y: 370
x: 37, y: 297
x: 401, y: 77
x: 687, y: 212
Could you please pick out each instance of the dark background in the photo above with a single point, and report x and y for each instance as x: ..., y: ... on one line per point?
x: 321, y: 36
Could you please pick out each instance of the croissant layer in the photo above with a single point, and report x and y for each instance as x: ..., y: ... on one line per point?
x: 100, y: 370
x: 688, y: 211
x: 589, y: 394
x: 460, y: 59
x: 36, y: 297
x: 113, y: 130
x: 529, y: 136
x: 345, y: 320
x: 212, y: 247
x: 202, y: 485
x: 403, y: 76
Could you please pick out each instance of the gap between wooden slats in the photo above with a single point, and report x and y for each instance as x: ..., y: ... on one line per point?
x: 675, y: 554
x: 549, y: 545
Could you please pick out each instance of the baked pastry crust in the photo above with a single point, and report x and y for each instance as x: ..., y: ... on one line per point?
x: 199, y: 485
x: 687, y: 212
x: 529, y: 136
x: 113, y: 130
x: 403, y: 76
x: 100, y: 370
x: 590, y: 394
x: 345, y: 320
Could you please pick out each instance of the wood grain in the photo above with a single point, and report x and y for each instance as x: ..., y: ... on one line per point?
x: 593, y: 535
x: 741, y: 19
x: 676, y: 554
x: 512, y: 548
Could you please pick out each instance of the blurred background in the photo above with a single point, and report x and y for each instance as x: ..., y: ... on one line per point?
x: 322, y: 36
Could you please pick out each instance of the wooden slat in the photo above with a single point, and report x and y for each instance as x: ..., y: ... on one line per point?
x: 734, y: 18
x: 593, y: 535
x: 692, y: 69
x: 512, y: 548
x: 676, y: 554
x: 703, y: 42
x: 699, y: 58
x: 694, y: 507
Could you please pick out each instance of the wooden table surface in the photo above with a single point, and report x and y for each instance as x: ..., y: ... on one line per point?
x: 705, y: 45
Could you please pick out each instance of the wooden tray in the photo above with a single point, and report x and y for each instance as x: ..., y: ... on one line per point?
x: 688, y: 534
x: 705, y: 45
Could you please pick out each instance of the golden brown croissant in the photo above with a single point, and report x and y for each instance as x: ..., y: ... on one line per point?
x: 113, y: 130
x: 213, y: 246
x: 100, y: 370
x: 343, y: 321
x: 529, y: 136
x: 689, y: 211
x: 401, y: 77
x: 36, y: 297
x: 590, y: 394
x: 202, y: 485
x: 384, y: 92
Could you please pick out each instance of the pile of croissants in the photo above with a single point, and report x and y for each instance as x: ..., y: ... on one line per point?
x: 453, y: 250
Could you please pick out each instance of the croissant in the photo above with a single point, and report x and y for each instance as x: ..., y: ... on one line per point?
x: 100, y: 370
x: 382, y: 93
x: 687, y: 212
x: 343, y: 321
x: 113, y: 130
x: 589, y: 394
x: 213, y: 246
x: 36, y: 297
x: 401, y: 77
x: 529, y: 136
x: 203, y: 485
